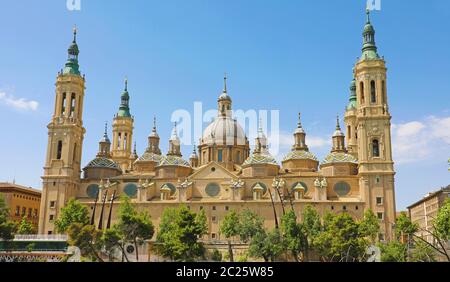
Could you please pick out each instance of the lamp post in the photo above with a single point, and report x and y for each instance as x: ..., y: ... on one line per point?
x: 277, y: 184
x: 143, y: 185
x: 104, y: 187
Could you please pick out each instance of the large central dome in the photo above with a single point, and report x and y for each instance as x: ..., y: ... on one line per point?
x: 224, y: 131
x: 224, y: 140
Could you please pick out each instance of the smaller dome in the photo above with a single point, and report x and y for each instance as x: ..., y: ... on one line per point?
x: 338, y: 132
x: 300, y: 155
x: 101, y: 162
x: 339, y: 157
x: 224, y: 97
x: 368, y: 28
x: 172, y: 160
x: 149, y: 157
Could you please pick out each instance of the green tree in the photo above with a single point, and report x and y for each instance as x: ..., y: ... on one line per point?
x: 73, y: 212
x: 393, y: 251
x: 25, y: 227
x: 404, y: 226
x: 250, y: 224
x: 7, y: 227
x: 112, y: 241
x: 423, y: 253
x: 180, y: 230
x: 340, y: 239
x: 133, y: 226
x: 312, y: 227
x: 87, y: 239
x: 216, y: 255
x: 369, y: 226
x: 266, y: 245
x: 230, y: 228
x: 294, y: 235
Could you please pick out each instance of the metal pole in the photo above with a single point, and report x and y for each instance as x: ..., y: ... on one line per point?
x: 111, y: 203
x: 100, y: 222
x: 274, y: 210
x: 95, y: 206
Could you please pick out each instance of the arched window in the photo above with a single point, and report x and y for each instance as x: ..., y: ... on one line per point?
x: 383, y: 94
x: 59, y: 150
x: 72, y: 105
x: 361, y: 89
x: 373, y: 95
x: 349, y: 133
x: 63, y: 103
x: 375, y: 148
x: 74, y: 156
x: 238, y: 156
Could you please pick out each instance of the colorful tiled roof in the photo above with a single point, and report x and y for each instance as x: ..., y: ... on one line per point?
x: 339, y: 157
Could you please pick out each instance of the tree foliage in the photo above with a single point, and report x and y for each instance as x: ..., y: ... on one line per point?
x: 266, y: 245
x: 25, y: 227
x: 294, y: 235
x: 7, y: 227
x: 180, y: 230
x: 230, y: 228
x: 73, y: 212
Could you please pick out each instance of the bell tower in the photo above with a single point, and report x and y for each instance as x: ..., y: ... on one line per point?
x: 376, y: 166
x: 123, y: 132
x: 62, y: 168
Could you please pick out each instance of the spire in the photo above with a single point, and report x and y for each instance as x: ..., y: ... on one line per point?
x: 174, y: 143
x: 104, y: 145
x: 71, y: 66
x: 299, y: 136
x: 299, y: 125
x: 225, y: 83
x: 352, y: 102
x: 124, y: 109
x: 338, y: 138
x: 369, y: 50
x: 105, y: 135
x: 154, y: 132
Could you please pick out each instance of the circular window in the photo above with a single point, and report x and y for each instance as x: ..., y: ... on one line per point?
x: 212, y: 189
x: 172, y: 187
x: 130, y: 189
x: 213, y: 169
x: 302, y: 184
x: 92, y: 191
x: 342, y: 188
x: 260, y: 184
x: 130, y: 249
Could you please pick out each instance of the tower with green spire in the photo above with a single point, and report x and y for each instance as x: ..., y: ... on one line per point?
x: 373, y: 131
x: 369, y: 50
x: 71, y: 66
x: 123, y: 133
x: 65, y: 140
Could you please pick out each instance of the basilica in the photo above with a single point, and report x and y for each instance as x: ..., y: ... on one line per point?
x: 223, y: 173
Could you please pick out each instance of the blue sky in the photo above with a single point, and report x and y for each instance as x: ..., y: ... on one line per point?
x: 280, y: 55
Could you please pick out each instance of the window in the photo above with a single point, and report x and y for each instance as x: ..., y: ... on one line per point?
x: 356, y: 208
x: 74, y: 155
x: 17, y: 211
x: 51, y: 218
x: 59, y: 150
x: 30, y: 212
x: 219, y: 155
x: 238, y: 157
x: 214, y: 208
x: 344, y: 208
x: 342, y: 188
x: 24, y: 211
x: 380, y: 215
x: 379, y: 201
x: 332, y: 207
x: 35, y: 213
x: 72, y: 105
x: 383, y: 92
x: 375, y: 148
x: 212, y: 189
x: 377, y: 179
x: 52, y: 204
x: 214, y: 219
x: 349, y: 132
x: 119, y: 137
x: 131, y: 190
x: 373, y: 95
x: 361, y: 89
x: 50, y: 232
x: 213, y: 235
x: 227, y: 208
x: 63, y: 103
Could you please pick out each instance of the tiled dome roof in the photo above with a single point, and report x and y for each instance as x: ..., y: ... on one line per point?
x: 101, y: 162
x: 339, y: 157
x: 257, y: 158
x: 173, y: 161
x: 300, y: 155
x: 150, y: 156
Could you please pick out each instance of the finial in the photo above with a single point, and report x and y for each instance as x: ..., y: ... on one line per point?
x: 338, y: 127
x: 299, y: 120
x: 225, y: 82
x: 134, y: 148
x: 195, y: 150
x: 106, y: 129
x: 368, y: 14
x: 154, y: 123
x: 126, y: 83
x: 74, y: 33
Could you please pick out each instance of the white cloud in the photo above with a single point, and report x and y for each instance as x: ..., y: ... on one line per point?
x: 421, y: 140
x: 18, y: 103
